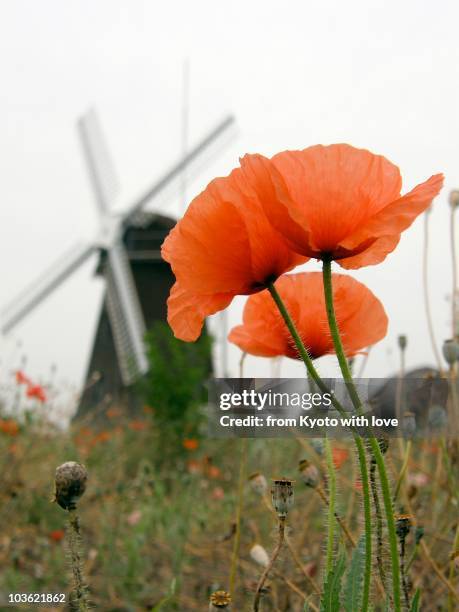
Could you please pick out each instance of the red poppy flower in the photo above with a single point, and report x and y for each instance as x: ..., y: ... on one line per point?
x: 339, y: 456
x: 21, y: 378
x: 337, y: 201
x: 190, y: 444
x: 57, y: 535
x: 361, y: 317
x: 224, y: 246
x: 36, y: 392
x: 9, y: 427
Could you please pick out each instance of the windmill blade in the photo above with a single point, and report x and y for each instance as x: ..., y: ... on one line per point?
x: 128, y: 326
x: 174, y: 174
x: 99, y: 163
x: 25, y: 302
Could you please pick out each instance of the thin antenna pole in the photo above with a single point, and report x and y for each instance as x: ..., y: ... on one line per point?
x: 185, y: 125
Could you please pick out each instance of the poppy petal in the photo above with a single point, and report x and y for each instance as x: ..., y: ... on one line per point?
x: 187, y: 311
x: 390, y: 221
x: 360, y: 315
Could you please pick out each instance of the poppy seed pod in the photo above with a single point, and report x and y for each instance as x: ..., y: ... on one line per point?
x: 259, y: 555
x: 450, y: 351
x: 454, y: 197
x: 409, y: 423
x: 403, y: 525
x: 309, y: 473
x: 70, y: 483
x: 402, y: 342
x: 220, y: 600
x: 258, y: 483
x: 282, y: 496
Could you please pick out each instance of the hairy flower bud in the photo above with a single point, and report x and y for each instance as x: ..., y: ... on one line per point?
x: 282, y: 496
x: 403, y: 525
x: 220, y: 600
x: 454, y: 197
x: 258, y: 483
x: 259, y: 555
x: 70, y: 484
x: 309, y: 473
x: 402, y: 342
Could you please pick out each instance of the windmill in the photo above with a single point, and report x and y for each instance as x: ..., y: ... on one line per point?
x: 125, y: 243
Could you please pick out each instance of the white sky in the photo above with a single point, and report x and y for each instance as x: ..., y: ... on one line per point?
x: 382, y: 75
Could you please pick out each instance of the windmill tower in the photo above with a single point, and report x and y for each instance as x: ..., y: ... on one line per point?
x: 137, y: 281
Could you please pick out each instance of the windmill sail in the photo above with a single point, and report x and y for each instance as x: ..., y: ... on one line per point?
x: 125, y: 315
x: 69, y: 261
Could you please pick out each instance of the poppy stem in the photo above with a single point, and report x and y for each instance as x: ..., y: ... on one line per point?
x: 375, y: 448
x: 331, y: 507
x: 357, y: 439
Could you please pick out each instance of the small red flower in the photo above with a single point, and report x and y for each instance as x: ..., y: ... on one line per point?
x: 22, y: 379
x: 9, y: 427
x: 36, y: 392
x: 339, y: 455
x: 57, y: 535
x: 138, y: 425
x: 190, y: 444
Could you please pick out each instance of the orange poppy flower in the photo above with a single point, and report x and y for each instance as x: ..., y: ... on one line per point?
x: 36, y: 392
x: 57, y: 535
x: 9, y: 427
x: 224, y: 246
x: 339, y: 456
x: 338, y: 201
x: 190, y: 444
x: 21, y: 378
x: 361, y: 317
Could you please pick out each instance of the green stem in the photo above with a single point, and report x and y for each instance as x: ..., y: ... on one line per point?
x: 357, y: 439
x: 331, y: 506
x: 376, y: 451
x: 240, y: 503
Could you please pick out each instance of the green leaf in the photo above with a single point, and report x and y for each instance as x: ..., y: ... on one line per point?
x: 330, y: 601
x: 353, y: 589
x: 416, y: 601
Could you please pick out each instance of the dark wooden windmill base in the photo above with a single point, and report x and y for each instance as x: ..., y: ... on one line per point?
x: 153, y: 277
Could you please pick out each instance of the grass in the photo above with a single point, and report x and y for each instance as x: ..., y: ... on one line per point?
x: 159, y: 533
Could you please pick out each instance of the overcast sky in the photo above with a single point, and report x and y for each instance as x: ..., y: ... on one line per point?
x: 380, y: 75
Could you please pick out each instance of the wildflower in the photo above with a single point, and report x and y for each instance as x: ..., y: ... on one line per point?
x: 309, y: 473
x: 214, y: 472
x: 113, y: 413
x: 337, y: 202
x: 264, y: 333
x: 57, y: 535
x: 224, y: 246
x: 190, y: 444
x: 138, y: 425
x: 217, y: 493
x: 134, y: 517
x: 258, y: 483
x: 220, y: 600
x: 282, y: 496
x: 36, y: 392
x: 259, y: 555
x: 193, y: 466
x: 70, y: 482
x: 22, y: 379
x: 9, y: 427
x: 339, y: 456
